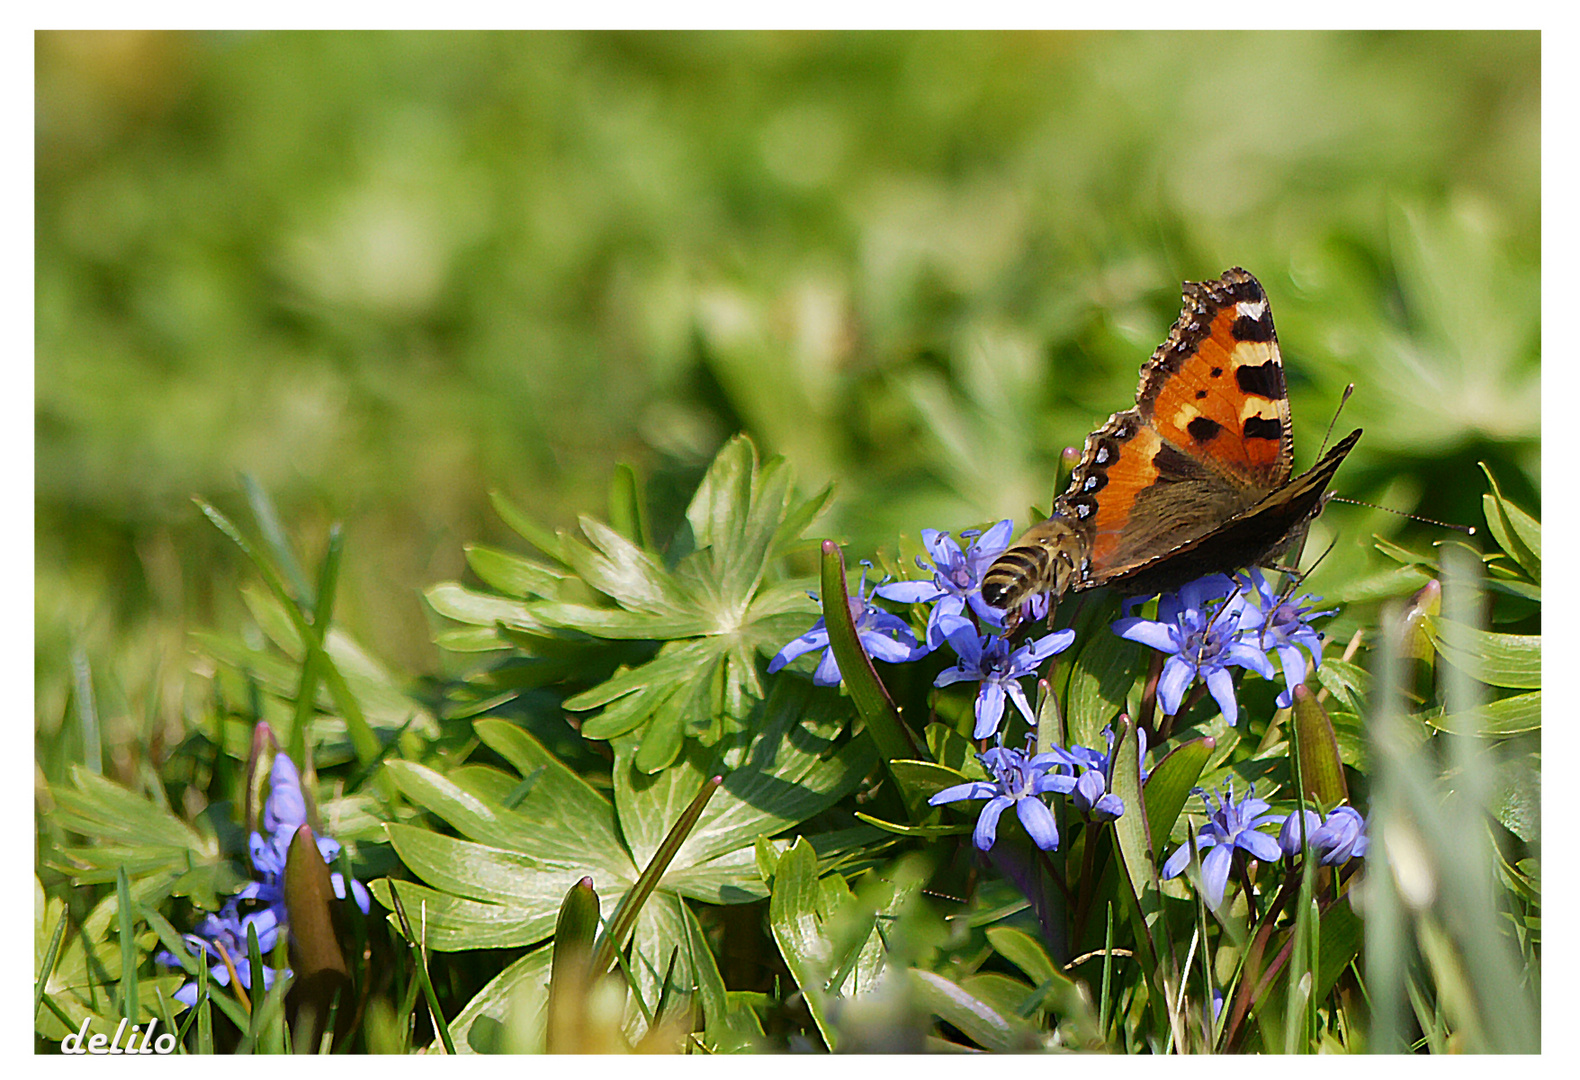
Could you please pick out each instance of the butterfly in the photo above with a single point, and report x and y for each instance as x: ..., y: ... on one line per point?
x: 1194, y: 480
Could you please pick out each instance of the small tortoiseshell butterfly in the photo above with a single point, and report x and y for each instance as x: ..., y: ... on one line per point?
x: 1193, y: 480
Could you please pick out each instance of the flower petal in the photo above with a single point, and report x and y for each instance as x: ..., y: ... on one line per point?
x: 974, y: 789
x: 1109, y: 807
x: 1154, y: 635
x: 964, y: 639
x: 1177, y: 676
x: 1063, y: 783
x: 827, y: 673
x: 989, y: 710
x: 1176, y: 863
x: 987, y: 822
x: 1035, y: 653
x: 885, y: 648
x: 1018, y: 696
x: 1221, y: 684
x: 991, y: 544
x: 814, y: 639
x: 1259, y: 845
x: 910, y: 592
x: 1039, y: 823
x: 1215, y: 873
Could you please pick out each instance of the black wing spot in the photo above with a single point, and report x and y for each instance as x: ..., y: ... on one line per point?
x: 1263, y: 380
x: 1172, y: 465
x: 1200, y: 394
x: 1248, y: 329
x: 1260, y: 428
x: 1203, y: 430
x: 1217, y: 371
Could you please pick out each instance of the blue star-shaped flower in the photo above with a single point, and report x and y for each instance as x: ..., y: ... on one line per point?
x: 884, y: 635
x: 1342, y: 837
x: 1230, y: 825
x: 1280, y: 625
x: 1016, y: 782
x: 1337, y: 840
x: 1102, y: 760
x: 1202, y: 638
x: 221, y: 936
x: 988, y: 659
x: 285, y: 811
x: 1094, y: 800
x: 957, y: 578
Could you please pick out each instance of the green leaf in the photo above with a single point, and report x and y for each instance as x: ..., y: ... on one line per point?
x: 313, y: 638
x: 274, y: 538
x: 124, y: 828
x: 454, y: 601
x: 1101, y: 679
x: 1055, y: 990
x: 872, y: 699
x: 716, y: 608
x: 570, y: 977
x: 626, y: 511
x: 1025, y: 952
x: 953, y: 750
x: 920, y: 780
x: 1516, y: 532
x: 975, y: 1018
x: 792, y: 769
x: 479, y: 1027
x: 542, y: 539
x: 625, y: 915
x: 1505, y: 716
x: 109, y: 813
x: 502, y: 885
x: 1169, y: 785
x: 797, y: 927
x: 511, y: 574
x: 1139, y: 893
x: 727, y: 1028
x: 128, y: 941
x: 1508, y: 660
x: 928, y: 832
x: 319, y: 967
x: 1345, y: 681
x: 1321, y: 770
x: 1517, y: 795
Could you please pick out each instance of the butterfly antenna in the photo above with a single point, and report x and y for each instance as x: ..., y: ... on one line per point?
x: 1326, y: 435
x: 1294, y: 577
x: 1468, y: 530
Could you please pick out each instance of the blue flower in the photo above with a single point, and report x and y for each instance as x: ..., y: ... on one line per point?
x: 1094, y: 800
x: 1342, y: 837
x: 223, y: 936
x: 957, y: 578
x: 1281, y: 625
x: 884, y: 635
x: 1203, y: 639
x: 1335, y: 841
x: 1016, y: 782
x: 1093, y: 771
x: 284, y: 812
x: 988, y: 658
x: 1289, y: 832
x: 1102, y: 760
x: 1229, y: 825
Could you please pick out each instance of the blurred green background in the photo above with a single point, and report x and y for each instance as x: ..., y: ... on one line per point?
x: 386, y: 273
